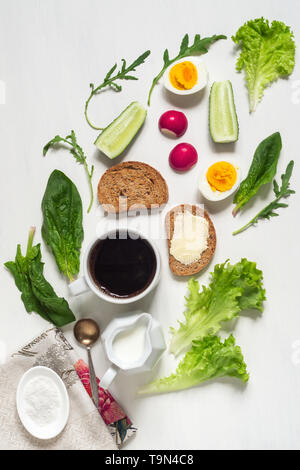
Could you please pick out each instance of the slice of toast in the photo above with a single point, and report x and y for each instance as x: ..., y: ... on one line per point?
x: 176, y: 267
x: 132, y: 185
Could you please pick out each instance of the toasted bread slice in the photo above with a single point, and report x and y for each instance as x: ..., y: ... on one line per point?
x: 132, y: 185
x: 176, y: 267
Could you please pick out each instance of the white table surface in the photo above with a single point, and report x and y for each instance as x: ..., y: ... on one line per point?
x: 50, y: 51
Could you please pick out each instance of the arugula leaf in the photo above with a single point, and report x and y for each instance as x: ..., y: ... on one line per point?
x: 208, y: 358
x: 199, y: 46
x: 268, y: 52
x: 232, y: 288
x: 62, y: 225
x: 37, y: 294
x: 283, y: 192
x: 110, y: 81
x: 262, y: 170
x: 77, y: 153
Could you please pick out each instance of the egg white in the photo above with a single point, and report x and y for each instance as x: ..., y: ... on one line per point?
x: 215, y: 196
x: 202, y: 77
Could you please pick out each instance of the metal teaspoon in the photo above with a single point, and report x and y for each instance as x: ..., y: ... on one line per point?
x: 87, y: 332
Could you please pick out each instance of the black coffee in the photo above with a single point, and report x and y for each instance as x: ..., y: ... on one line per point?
x: 122, y: 266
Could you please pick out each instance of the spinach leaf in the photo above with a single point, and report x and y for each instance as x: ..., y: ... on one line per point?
x: 62, y: 226
x: 281, y: 192
x: 37, y: 294
x: 262, y: 170
x: 19, y: 269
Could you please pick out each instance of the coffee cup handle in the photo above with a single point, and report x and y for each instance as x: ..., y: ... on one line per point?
x: 79, y: 286
x: 108, y: 377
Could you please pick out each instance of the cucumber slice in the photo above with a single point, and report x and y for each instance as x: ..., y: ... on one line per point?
x: 114, y: 139
x: 223, y: 122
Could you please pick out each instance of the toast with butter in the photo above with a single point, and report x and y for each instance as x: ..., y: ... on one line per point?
x: 132, y: 185
x: 185, y: 268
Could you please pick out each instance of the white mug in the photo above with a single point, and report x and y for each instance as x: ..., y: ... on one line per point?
x: 154, y: 346
x: 86, y: 282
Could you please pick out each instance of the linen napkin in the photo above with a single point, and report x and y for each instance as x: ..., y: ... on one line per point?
x: 85, y: 428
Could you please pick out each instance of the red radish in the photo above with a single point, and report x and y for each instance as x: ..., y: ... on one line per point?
x: 183, y: 157
x: 173, y: 123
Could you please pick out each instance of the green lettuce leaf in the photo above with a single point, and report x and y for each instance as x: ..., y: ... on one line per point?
x: 232, y: 288
x: 208, y: 358
x: 267, y: 53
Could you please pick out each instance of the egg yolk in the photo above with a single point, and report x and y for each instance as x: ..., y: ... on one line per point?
x: 221, y: 176
x: 183, y: 76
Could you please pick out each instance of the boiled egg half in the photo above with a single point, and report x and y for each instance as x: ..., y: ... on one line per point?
x: 219, y: 180
x: 186, y: 76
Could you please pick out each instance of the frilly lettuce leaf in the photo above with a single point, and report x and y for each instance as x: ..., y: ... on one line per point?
x: 232, y: 288
x: 208, y: 358
x: 267, y: 53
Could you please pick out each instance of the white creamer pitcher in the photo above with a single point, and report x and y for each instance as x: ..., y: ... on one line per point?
x: 154, y: 346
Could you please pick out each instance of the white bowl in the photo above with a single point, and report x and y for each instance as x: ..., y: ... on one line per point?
x: 48, y: 431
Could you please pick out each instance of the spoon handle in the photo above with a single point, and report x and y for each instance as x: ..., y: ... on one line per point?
x: 93, y: 380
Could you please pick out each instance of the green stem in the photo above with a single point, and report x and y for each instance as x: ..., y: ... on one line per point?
x: 257, y: 217
x: 86, y: 115
x: 30, y: 240
x: 252, y: 221
x: 236, y: 209
x: 89, y: 175
x: 244, y: 227
x: 155, y: 81
x: 94, y: 92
